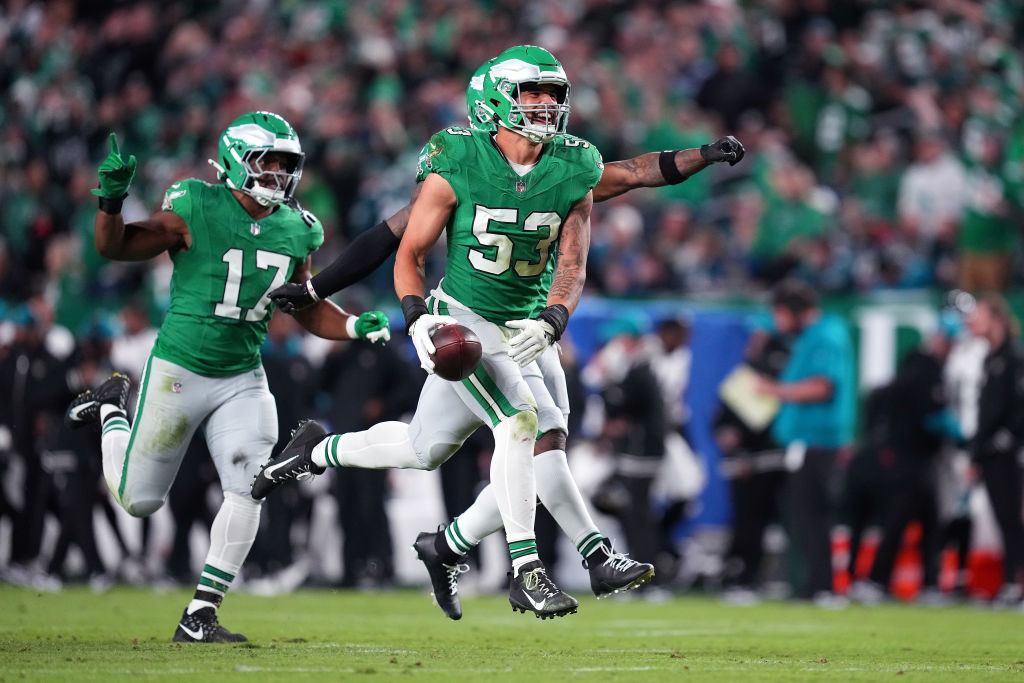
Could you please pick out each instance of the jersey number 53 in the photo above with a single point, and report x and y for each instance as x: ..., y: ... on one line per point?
x: 497, y: 259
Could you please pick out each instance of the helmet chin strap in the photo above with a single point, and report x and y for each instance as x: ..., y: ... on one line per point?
x: 262, y: 201
x: 221, y: 173
x: 220, y: 169
x: 528, y: 134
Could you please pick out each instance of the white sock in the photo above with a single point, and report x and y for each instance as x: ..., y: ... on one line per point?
x: 458, y: 538
x: 231, y: 536
x: 556, y: 489
x: 515, y: 489
x: 558, y: 492
x: 114, y: 444
x: 480, y: 519
x: 382, y: 446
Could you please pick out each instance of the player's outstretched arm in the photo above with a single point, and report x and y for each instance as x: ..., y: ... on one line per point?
x: 657, y: 169
x: 363, y: 256
x: 326, y: 319
x: 429, y: 215
x: 536, y: 334
x: 398, y: 221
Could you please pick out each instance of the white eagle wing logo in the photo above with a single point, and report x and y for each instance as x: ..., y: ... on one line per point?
x: 252, y: 135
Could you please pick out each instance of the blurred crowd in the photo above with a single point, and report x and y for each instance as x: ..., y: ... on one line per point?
x: 885, y: 139
x: 885, y: 149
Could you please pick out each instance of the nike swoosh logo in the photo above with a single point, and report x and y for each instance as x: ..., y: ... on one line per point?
x: 79, y: 409
x: 536, y: 605
x: 269, y: 471
x: 198, y: 635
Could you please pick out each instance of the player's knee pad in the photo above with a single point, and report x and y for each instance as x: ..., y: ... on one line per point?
x: 143, y: 507
x: 237, y: 479
x: 524, y: 423
x: 550, y: 418
x: 236, y: 469
x: 436, y: 454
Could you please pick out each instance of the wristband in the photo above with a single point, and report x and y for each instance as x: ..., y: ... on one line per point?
x: 112, y: 206
x: 667, y: 164
x: 413, y: 307
x: 558, y: 317
x: 312, y: 292
x: 350, y: 327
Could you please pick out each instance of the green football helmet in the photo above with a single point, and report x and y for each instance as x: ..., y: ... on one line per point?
x: 481, y: 116
x: 505, y: 77
x: 243, y: 148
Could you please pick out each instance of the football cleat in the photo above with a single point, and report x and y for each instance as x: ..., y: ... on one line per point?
x: 295, y: 461
x: 85, y: 408
x: 532, y: 589
x: 617, y: 574
x: 202, y: 627
x: 444, y: 578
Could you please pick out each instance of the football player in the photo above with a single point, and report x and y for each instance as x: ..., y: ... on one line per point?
x: 231, y: 243
x: 510, y: 200
x: 442, y: 553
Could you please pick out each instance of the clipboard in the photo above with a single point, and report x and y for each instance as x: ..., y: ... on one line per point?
x: 738, y: 392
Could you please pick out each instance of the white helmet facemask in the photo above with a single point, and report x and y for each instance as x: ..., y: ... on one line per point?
x: 271, y: 187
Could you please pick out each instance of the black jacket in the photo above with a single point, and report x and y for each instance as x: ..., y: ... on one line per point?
x: 1001, y: 405
x: 638, y: 399
x: 916, y: 393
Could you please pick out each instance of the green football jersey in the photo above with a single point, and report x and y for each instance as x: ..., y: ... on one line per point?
x: 219, y: 304
x: 503, y: 233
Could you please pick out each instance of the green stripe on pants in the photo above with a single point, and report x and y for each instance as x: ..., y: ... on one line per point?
x: 143, y: 388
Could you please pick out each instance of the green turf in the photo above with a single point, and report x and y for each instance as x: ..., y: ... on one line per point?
x: 337, y: 635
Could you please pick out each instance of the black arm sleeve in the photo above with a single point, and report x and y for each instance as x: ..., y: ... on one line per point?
x: 362, y: 257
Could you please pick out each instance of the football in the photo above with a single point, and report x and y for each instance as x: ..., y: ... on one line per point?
x: 457, y: 352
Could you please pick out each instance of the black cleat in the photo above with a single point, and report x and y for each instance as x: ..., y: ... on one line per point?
x: 533, y: 590
x: 617, y: 574
x: 202, y: 627
x: 85, y: 408
x: 444, y: 578
x: 295, y: 461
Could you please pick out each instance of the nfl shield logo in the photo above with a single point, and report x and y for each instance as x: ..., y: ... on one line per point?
x: 520, y: 186
x: 176, y: 387
x: 254, y: 228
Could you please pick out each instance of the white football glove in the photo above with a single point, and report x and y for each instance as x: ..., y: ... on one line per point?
x: 420, y: 332
x: 533, y: 337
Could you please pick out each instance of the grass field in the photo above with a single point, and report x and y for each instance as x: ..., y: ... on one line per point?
x: 336, y: 635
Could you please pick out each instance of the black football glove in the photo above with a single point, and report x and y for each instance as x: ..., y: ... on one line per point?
x: 727, y: 149
x: 292, y: 296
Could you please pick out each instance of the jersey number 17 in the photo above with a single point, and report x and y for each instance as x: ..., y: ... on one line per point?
x: 265, y: 260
